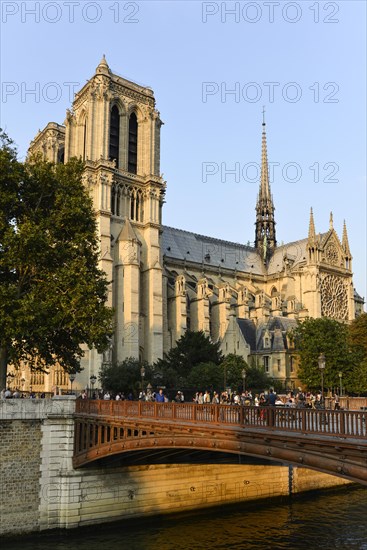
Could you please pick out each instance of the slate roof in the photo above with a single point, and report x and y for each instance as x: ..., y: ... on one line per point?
x: 277, y: 327
x: 294, y: 252
x: 180, y: 245
x: 248, y: 329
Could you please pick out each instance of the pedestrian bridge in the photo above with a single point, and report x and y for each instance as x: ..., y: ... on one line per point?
x: 333, y: 442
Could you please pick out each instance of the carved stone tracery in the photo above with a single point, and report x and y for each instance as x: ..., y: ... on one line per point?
x: 331, y: 254
x: 334, y: 297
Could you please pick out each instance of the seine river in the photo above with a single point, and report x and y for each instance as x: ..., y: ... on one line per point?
x: 318, y: 521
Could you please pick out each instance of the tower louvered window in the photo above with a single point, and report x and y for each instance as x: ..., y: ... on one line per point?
x: 133, y: 144
x: 115, y: 134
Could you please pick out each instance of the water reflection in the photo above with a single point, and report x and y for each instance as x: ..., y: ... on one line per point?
x: 331, y: 520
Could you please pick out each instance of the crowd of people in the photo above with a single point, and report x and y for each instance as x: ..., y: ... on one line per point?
x: 227, y: 397
x: 7, y: 393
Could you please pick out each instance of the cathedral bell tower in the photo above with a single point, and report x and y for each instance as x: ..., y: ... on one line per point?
x: 114, y: 127
x: 265, y: 240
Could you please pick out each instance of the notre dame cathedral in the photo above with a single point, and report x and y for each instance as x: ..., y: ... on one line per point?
x: 165, y: 281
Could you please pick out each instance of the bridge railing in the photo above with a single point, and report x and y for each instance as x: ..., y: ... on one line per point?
x: 324, y: 421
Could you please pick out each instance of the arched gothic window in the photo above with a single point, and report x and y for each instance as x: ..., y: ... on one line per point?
x: 188, y: 313
x: 132, y: 207
x: 61, y: 155
x: 133, y: 144
x: 118, y: 202
x: 136, y: 206
x: 84, y: 137
x: 113, y: 199
x: 115, y: 134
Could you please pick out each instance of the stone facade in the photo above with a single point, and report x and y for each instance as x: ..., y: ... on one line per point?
x: 20, y: 473
x: 165, y: 280
x: 40, y: 490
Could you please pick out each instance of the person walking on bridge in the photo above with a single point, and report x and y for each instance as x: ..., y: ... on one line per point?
x: 336, y: 402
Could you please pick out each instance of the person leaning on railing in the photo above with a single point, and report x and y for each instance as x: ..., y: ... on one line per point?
x: 160, y: 396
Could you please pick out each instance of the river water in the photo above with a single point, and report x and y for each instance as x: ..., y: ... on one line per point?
x: 322, y: 521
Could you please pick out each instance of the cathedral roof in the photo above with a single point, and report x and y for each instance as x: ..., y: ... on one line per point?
x: 184, y: 245
x: 291, y: 253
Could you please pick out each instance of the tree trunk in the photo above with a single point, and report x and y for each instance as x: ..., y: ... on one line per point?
x: 3, y: 366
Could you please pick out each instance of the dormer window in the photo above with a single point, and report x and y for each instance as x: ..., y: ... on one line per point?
x: 266, y: 339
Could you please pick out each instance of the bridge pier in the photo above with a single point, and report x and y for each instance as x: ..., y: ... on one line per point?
x: 59, y: 483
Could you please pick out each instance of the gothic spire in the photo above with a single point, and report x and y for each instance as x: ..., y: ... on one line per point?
x: 331, y: 222
x: 312, y: 240
x: 264, y: 193
x: 311, y: 228
x: 103, y: 66
x: 345, y: 242
x: 265, y: 240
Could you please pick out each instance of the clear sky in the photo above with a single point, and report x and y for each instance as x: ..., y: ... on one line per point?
x: 304, y: 61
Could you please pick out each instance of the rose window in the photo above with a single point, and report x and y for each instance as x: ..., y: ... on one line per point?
x: 334, y: 298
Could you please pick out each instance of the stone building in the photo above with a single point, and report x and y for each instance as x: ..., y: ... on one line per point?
x: 165, y: 280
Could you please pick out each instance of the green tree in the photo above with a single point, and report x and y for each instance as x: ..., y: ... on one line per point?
x: 192, y: 349
x: 232, y: 368
x: 256, y: 379
x: 206, y: 376
x: 357, y: 335
x: 52, y: 292
x: 315, y: 336
x: 125, y: 376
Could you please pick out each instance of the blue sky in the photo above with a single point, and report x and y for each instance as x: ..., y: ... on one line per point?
x: 304, y: 61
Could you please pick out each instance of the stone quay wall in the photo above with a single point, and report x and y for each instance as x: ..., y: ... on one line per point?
x: 40, y: 490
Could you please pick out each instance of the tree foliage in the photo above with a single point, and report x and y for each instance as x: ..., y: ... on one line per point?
x: 357, y: 332
x: 206, y: 376
x: 125, y: 376
x: 315, y: 336
x: 192, y: 349
x: 357, y: 337
x: 256, y: 379
x: 232, y: 368
x: 52, y: 292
